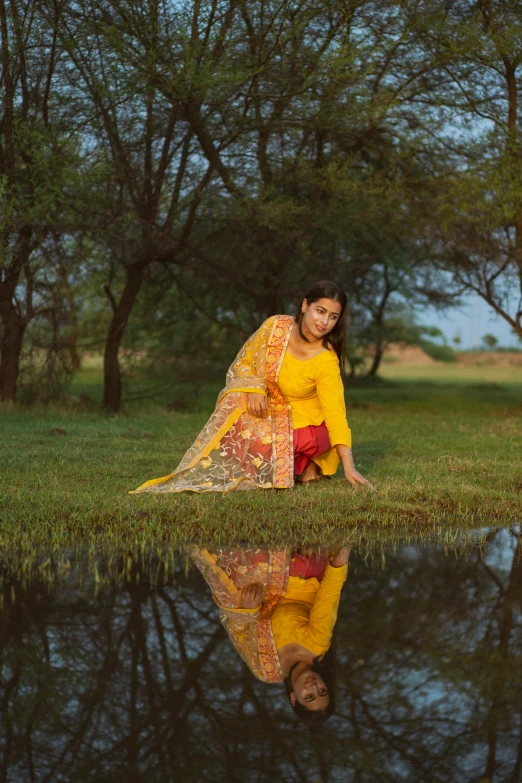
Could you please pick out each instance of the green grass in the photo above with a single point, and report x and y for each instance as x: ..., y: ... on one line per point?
x: 443, y: 449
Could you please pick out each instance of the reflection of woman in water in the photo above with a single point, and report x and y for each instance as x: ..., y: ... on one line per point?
x: 279, y: 611
x: 282, y: 413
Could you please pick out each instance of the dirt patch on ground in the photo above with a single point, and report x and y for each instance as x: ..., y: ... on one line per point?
x: 492, y: 358
x: 414, y: 355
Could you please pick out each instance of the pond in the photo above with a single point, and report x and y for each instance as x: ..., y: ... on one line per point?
x: 116, y: 667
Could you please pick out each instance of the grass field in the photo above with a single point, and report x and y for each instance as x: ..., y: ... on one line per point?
x: 441, y: 443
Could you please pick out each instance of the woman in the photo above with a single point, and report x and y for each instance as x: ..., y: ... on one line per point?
x: 279, y: 611
x: 282, y: 413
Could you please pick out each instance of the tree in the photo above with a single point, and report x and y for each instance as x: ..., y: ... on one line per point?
x: 477, y: 215
x: 490, y: 341
x: 152, y: 178
x: 38, y: 165
x: 324, y: 176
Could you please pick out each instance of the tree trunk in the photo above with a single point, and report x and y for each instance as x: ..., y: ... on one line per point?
x: 510, y: 601
x: 378, y: 320
x: 70, y: 344
x: 121, y: 311
x: 72, y: 347
x: 14, y: 328
x: 377, y: 358
x: 511, y: 81
x: 14, y: 321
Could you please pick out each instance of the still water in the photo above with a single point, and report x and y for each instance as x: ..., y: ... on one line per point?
x: 118, y: 669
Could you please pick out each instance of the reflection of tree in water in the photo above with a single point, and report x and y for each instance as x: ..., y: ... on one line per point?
x: 138, y: 684
x: 441, y: 693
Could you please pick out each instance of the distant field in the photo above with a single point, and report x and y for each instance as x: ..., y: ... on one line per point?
x: 506, y: 380
x: 89, y: 379
x: 442, y: 444
x: 452, y: 372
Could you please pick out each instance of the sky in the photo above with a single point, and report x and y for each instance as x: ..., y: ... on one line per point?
x: 471, y: 322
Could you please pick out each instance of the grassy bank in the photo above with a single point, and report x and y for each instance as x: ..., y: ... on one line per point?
x: 444, y: 452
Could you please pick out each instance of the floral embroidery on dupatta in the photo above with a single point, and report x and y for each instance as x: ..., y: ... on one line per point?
x: 236, y: 450
x: 267, y: 645
x: 282, y: 430
x: 227, y: 572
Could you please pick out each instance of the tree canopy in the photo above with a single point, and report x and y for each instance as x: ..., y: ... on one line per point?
x: 205, y: 161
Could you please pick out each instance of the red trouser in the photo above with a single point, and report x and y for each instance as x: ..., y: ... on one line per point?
x: 309, y: 442
x: 308, y: 566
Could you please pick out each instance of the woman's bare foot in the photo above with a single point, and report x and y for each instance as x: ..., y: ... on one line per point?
x: 310, y: 473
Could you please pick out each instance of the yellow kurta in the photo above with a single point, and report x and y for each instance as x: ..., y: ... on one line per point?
x: 307, y: 613
x: 315, y: 391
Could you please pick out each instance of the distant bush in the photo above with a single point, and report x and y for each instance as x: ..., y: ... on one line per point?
x: 45, y: 376
x: 441, y: 353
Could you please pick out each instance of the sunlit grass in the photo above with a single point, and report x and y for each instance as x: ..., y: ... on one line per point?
x: 444, y: 456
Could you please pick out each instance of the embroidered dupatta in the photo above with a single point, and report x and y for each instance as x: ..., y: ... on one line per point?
x: 227, y: 571
x: 236, y: 450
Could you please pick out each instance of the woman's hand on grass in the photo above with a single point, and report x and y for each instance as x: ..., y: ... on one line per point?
x: 252, y: 596
x: 257, y: 405
x: 352, y: 475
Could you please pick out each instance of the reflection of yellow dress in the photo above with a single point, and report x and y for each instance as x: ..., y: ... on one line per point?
x: 294, y: 610
x: 227, y: 572
x: 314, y: 389
x: 307, y: 613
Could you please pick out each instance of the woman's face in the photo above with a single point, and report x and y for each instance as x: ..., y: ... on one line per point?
x: 309, y: 689
x: 320, y: 317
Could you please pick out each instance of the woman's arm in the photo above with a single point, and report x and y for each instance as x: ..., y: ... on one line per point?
x: 323, y: 614
x: 350, y: 473
x: 247, y: 372
x: 330, y: 391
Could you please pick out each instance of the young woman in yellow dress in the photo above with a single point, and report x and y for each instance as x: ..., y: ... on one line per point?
x: 281, y: 417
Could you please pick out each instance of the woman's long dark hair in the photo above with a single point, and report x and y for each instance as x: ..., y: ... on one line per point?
x: 326, y: 667
x: 327, y: 289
